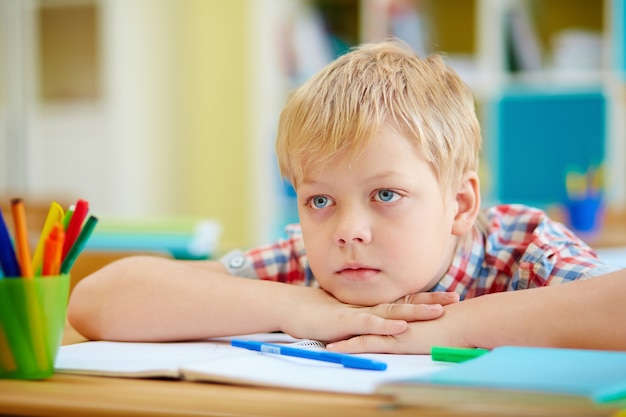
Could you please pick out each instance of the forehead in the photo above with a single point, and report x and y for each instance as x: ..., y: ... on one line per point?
x: 386, y: 154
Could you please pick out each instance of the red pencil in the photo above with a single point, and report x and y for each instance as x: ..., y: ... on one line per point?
x: 74, y: 225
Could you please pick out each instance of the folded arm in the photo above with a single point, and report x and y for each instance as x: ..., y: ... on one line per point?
x: 157, y: 299
x: 582, y: 314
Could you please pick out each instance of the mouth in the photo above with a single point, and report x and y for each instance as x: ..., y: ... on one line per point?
x: 357, y: 272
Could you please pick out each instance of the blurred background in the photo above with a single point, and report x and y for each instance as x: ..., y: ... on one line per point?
x: 168, y: 108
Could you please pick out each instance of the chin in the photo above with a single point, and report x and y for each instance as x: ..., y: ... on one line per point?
x: 360, y: 300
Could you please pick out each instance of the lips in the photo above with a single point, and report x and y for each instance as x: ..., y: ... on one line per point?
x: 357, y: 272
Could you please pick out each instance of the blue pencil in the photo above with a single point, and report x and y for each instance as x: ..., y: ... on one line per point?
x: 8, y: 259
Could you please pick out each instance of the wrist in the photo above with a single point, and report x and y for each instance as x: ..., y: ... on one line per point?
x: 461, y: 330
x: 299, y: 310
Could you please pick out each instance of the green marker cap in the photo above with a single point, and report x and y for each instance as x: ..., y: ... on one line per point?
x: 455, y: 354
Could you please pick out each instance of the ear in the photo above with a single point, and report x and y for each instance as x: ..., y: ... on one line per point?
x: 467, y: 201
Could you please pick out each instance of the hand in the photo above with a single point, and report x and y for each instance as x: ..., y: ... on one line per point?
x: 438, y: 297
x: 315, y: 314
x: 418, y: 338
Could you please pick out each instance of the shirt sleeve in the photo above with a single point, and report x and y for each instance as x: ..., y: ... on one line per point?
x: 555, y: 255
x: 282, y: 261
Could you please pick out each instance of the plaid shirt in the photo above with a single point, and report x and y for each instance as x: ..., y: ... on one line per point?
x: 512, y: 247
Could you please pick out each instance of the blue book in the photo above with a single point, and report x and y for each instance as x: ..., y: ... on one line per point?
x: 590, y: 382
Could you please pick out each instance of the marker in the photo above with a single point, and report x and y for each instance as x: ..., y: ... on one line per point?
x: 52, y: 251
x: 78, y: 245
x: 67, y: 216
x: 455, y: 354
x: 8, y: 260
x: 74, y: 226
x: 348, y: 361
x: 21, y: 237
x: 55, y: 215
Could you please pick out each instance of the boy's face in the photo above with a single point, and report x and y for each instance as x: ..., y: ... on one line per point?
x: 377, y: 227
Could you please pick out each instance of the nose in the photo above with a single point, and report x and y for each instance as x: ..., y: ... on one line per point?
x: 352, y: 228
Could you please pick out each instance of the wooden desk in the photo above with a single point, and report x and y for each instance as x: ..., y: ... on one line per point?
x: 69, y: 395
x: 74, y: 395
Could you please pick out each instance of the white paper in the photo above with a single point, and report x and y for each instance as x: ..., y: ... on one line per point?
x: 216, y: 360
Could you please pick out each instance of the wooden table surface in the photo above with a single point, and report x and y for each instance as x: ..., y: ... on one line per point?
x: 77, y: 395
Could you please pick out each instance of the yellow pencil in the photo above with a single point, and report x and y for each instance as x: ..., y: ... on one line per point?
x: 55, y: 215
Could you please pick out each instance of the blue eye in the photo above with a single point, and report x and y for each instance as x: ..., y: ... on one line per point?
x: 387, y: 196
x: 319, y: 202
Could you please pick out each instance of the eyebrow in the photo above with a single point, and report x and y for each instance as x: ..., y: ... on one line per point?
x: 384, y: 174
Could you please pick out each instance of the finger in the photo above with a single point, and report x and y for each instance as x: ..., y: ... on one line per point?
x: 367, y: 323
x: 408, y: 312
x: 437, y: 297
x: 372, y: 344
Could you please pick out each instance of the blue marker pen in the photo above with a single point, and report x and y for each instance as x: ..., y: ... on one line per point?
x: 348, y: 361
x: 8, y: 258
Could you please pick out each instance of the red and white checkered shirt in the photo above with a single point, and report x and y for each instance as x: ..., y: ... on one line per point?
x: 512, y: 247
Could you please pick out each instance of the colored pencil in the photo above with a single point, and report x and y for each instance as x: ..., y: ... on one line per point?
x: 21, y: 237
x: 8, y: 259
x: 67, y: 216
x: 55, y: 215
x: 79, y: 244
x: 52, y: 251
x: 74, y: 225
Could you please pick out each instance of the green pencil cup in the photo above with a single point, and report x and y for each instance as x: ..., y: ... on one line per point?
x: 32, y: 320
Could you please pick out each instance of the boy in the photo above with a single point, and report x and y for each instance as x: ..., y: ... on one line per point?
x: 382, y: 149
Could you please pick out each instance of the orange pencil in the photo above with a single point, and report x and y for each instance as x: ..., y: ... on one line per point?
x: 52, y: 251
x: 33, y: 308
x: 21, y: 237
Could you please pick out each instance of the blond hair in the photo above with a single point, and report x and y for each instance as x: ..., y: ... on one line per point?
x: 340, y: 109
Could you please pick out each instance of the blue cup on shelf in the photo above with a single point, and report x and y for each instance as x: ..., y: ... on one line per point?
x: 584, y: 213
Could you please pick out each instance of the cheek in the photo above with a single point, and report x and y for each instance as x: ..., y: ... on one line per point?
x: 316, y: 249
x: 420, y: 245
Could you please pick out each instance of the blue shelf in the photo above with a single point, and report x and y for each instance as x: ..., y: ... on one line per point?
x: 536, y: 137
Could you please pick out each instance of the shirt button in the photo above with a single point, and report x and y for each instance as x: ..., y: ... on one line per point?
x: 237, y: 262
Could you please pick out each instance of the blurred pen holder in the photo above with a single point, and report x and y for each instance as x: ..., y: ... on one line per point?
x: 32, y: 320
x: 585, y: 213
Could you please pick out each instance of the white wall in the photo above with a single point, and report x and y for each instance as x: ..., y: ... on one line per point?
x: 288, y: 45
x: 108, y: 150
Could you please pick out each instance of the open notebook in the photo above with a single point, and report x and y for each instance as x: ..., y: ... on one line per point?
x: 215, y: 360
